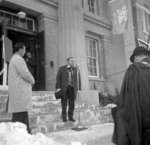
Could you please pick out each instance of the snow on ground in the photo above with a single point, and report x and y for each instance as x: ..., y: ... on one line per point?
x: 16, y: 134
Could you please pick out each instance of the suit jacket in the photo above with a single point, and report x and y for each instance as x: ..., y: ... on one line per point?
x: 62, y: 79
x: 20, y: 82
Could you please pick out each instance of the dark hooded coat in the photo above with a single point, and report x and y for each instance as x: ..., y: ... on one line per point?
x: 133, y: 111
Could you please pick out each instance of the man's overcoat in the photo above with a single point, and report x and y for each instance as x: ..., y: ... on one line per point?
x: 20, y: 82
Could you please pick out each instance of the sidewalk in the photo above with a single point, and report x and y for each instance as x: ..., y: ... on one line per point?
x: 94, y: 135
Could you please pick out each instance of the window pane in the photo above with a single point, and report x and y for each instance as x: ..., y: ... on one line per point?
x: 15, y: 20
x: 30, y: 25
x: 92, y: 6
x: 92, y: 56
x: 8, y: 17
x: 22, y: 23
x: 94, y: 71
x: 94, y: 48
x: 147, y: 21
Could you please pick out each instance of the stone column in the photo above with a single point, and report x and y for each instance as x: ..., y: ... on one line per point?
x: 49, y: 25
x: 72, y: 36
x: 129, y: 35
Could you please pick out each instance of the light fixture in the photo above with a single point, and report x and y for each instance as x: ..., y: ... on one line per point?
x: 21, y: 14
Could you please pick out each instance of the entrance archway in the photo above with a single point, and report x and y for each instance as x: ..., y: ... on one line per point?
x: 17, y: 29
x: 35, y: 45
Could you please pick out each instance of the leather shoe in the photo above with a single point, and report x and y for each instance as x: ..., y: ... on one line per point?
x: 72, y: 119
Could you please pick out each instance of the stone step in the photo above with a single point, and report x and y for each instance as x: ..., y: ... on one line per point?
x: 46, y: 112
x: 49, y: 119
x: 39, y: 96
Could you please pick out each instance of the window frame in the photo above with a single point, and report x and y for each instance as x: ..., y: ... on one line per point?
x: 86, y: 6
x: 97, y: 58
x: 145, y: 21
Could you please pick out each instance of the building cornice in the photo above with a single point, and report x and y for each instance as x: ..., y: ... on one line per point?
x: 97, y: 21
x: 50, y: 2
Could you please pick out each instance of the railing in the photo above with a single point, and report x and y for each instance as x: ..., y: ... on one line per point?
x: 15, y: 21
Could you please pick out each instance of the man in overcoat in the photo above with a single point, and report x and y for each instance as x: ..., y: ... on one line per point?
x: 20, y: 82
x: 68, y: 82
x: 133, y: 110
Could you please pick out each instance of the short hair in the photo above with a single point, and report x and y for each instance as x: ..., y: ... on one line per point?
x: 68, y: 58
x: 18, y: 46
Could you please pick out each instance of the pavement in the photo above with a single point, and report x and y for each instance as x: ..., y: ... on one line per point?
x: 99, y: 134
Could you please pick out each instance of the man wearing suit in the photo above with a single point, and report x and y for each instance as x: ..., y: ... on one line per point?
x: 67, y: 81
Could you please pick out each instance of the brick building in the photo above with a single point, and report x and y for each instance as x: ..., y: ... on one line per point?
x: 56, y: 29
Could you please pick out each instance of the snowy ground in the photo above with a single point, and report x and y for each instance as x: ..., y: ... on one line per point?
x: 94, y: 135
x: 16, y: 134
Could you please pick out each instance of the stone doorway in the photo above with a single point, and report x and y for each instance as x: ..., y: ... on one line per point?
x: 34, y: 45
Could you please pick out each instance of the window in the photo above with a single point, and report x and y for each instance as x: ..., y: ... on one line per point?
x: 92, y: 56
x: 14, y: 21
x: 91, y: 6
x: 146, y: 22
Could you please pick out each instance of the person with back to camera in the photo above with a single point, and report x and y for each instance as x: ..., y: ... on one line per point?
x: 20, y: 82
x: 133, y: 106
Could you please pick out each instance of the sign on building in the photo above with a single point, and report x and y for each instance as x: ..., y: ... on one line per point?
x: 119, y: 12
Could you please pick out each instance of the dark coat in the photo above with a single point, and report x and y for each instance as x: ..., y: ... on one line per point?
x: 133, y: 111
x: 62, y: 79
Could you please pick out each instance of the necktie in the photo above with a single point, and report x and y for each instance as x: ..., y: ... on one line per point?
x: 70, y: 71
